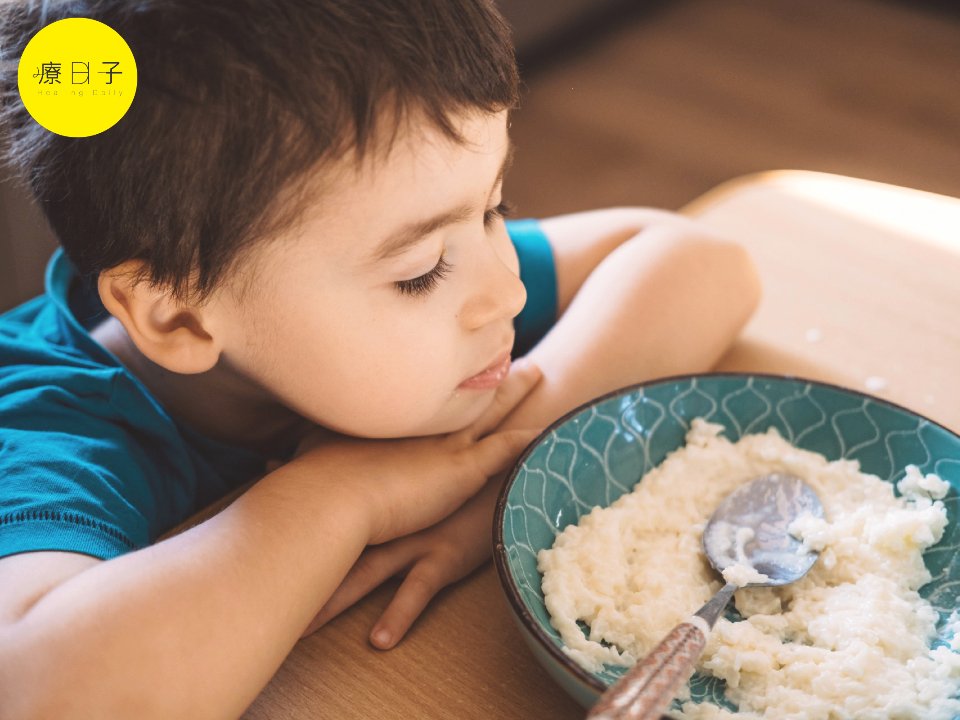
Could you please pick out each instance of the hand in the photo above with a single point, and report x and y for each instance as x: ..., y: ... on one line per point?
x: 431, y: 559
x: 405, y: 485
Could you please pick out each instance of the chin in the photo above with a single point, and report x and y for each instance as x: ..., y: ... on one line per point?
x: 474, y: 411
x: 459, y: 412
x: 455, y: 418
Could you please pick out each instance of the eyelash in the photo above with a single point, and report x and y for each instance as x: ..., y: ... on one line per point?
x: 426, y: 283
x: 503, y: 210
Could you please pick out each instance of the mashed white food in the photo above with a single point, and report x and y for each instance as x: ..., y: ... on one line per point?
x: 850, y: 640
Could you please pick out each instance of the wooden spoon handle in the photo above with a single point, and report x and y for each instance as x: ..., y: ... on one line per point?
x: 647, y: 689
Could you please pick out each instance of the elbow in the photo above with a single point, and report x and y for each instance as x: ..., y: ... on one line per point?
x: 723, y: 267
x: 720, y: 274
x: 746, y: 285
x: 729, y: 271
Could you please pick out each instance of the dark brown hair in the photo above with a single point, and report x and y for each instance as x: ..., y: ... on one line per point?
x: 238, y: 100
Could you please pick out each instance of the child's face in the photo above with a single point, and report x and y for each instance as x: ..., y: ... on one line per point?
x: 327, y: 330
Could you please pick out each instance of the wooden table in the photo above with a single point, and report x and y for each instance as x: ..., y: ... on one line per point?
x: 862, y: 289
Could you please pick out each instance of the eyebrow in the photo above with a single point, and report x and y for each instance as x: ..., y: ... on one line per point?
x: 410, y: 234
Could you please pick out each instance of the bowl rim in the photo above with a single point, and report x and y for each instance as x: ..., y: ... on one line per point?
x: 499, y: 549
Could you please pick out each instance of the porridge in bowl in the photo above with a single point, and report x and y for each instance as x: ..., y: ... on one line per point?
x: 852, y: 639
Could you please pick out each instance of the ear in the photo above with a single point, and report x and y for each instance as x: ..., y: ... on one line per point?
x: 173, y: 335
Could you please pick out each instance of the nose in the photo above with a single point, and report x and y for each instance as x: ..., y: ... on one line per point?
x: 497, y: 293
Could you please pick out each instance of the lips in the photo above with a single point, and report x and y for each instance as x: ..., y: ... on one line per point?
x: 489, y: 377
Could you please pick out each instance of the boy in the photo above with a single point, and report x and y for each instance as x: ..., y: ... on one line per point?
x: 288, y: 263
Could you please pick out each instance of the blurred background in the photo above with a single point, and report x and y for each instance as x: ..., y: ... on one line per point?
x: 654, y: 102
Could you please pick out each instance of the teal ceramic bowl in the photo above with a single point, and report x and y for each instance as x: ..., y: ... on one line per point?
x: 599, y: 451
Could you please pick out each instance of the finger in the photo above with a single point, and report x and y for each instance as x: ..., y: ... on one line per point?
x: 374, y: 567
x: 413, y: 595
x: 523, y: 378
x: 498, y: 451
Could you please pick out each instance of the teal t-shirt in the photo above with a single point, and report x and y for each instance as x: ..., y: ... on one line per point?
x: 91, y: 463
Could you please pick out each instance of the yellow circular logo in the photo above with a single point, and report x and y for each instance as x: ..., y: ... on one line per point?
x: 77, y: 77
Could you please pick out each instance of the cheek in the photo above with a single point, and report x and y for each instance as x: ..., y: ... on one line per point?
x: 371, y: 371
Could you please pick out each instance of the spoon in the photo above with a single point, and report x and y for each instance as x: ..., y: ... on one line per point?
x: 748, y: 535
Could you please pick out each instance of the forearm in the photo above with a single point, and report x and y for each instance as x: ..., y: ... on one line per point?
x: 582, y: 240
x: 191, y: 627
x: 667, y: 301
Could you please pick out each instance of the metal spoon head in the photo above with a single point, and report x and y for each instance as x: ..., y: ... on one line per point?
x: 751, y: 527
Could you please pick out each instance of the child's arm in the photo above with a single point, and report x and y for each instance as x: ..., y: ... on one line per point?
x: 641, y: 293
x: 194, y: 626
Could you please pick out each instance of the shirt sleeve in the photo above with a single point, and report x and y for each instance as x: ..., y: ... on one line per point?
x: 539, y: 276
x: 68, y: 481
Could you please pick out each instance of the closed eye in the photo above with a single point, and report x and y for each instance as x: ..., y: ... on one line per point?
x: 501, y: 211
x: 427, y: 282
